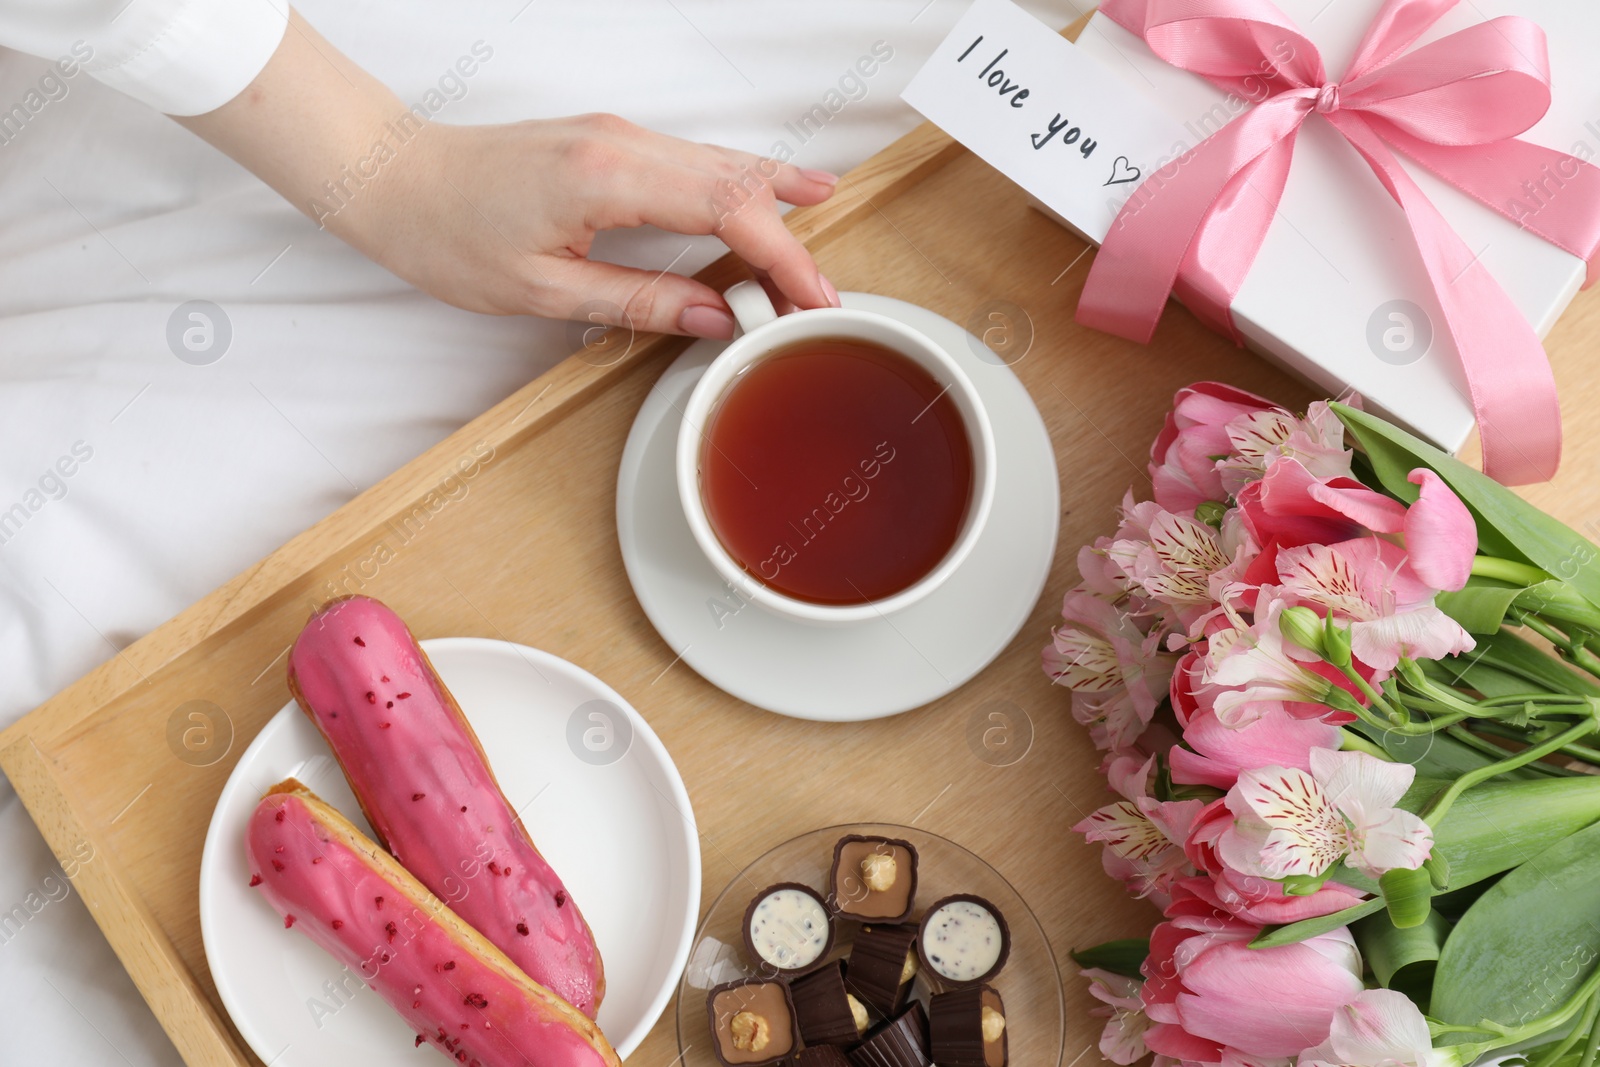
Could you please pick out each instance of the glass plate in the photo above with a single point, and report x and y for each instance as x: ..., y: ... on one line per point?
x: 1030, y: 985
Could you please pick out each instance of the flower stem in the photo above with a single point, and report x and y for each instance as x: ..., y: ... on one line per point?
x: 1583, y: 752
x: 1489, y: 748
x: 1508, y: 570
x: 1448, y: 697
x: 1509, y: 1035
x: 1532, y: 698
x: 1566, y: 1043
x: 1593, y: 1045
x: 1575, y: 651
x: 1439, y: 806
x: 1397, y: 716
x: 1350, y: 741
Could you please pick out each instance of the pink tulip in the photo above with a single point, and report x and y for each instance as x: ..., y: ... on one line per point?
x: 1213, y: 999
x: 1216, y: 753
x: 1441, y: 535
x: 1291, y: 506
x: 1183, y: 457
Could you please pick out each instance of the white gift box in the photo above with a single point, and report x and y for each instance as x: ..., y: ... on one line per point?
x: 1321, y: 296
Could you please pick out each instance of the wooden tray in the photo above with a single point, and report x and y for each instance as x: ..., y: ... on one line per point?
x: 527, y: 552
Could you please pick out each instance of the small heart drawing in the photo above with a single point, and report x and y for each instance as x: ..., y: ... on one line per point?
x: 1123, y: 172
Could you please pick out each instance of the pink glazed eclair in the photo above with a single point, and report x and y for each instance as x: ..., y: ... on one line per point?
x: 420, y: 776
x: 455, y: 989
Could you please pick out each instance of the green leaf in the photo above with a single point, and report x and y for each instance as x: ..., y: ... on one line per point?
x: 1505, y: 651
x: 1559, y: 601
x: 1490, y: 681
x: 1524, y: 948
x: 1408, y: 896
x: 1434, y: 755
x: 1481, y: 607
x: 1501, y: 823
x: 1402, y: 959
x: 1119, y: 957
x: 1508, y: 526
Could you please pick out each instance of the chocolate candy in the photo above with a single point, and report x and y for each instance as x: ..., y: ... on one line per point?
x: 882, y: 963
x: 967, y: 1028
x: 787, y: 928
x: 827, y: 1013
x: 752, y: 1023
x: 874, y: 879
x: 963, y: 940
x: 822, y: 1056
x: 900, y: 1043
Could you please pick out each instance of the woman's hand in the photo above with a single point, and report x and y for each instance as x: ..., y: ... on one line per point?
x: 500, y: 219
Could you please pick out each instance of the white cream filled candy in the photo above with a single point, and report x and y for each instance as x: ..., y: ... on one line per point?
x: 962, y: 940
x: 789, y: 928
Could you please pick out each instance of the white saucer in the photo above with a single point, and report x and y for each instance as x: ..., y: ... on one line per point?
x: 864, y: 671
x: 600, y: 797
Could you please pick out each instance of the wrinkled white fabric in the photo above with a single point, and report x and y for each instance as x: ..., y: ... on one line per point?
x: 133, y: 482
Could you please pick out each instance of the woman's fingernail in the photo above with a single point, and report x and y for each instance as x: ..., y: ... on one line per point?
x: 702, y: 320
x: 820, y: 176
x: 829, y: 290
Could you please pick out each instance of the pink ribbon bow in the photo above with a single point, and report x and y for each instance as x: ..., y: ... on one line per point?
x: 1455, y: 106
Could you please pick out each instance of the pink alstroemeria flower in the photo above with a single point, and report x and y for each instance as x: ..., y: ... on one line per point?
x: 1255, y: 669
x: 1184, y: 565
x: 1184, y: 456
x: 1379, y: 1028
x: 1368, y: 585
x: 1261, y: 437
x: 1117, y: 673
x: 1246, y: 896
x: 1288, y: 822
x: 1122, y: 1040
x: 1143, y: 837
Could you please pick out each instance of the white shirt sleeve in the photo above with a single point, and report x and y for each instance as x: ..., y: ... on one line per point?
x: 183, y: 57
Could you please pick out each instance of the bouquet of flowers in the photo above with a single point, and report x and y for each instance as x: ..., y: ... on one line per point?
x: 1346, y: 691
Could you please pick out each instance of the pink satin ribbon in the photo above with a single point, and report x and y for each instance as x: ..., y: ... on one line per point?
x: 1455, y: 106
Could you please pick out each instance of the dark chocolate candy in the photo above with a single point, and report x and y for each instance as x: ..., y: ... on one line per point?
x: 783, y: 940
x: 957, y: 945
x: 768, y: 1000
x: 956, y: 1028
x: 822, y: 1007
x: 903, y: 1042
x: 822, y: 1056
x: 877, y: 961
x: 849, y: 893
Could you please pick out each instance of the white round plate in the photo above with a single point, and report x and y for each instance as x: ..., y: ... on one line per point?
x: 600, y: 796
x: 871, y: 669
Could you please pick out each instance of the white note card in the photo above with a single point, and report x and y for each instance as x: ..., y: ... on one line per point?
x: 1048, y: 116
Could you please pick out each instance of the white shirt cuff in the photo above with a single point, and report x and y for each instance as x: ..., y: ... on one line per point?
x: 187, y: 57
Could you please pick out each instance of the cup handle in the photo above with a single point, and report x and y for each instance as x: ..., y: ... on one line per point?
x: 751, y: 305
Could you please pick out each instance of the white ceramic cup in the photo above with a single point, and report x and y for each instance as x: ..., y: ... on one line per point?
x: 763, y: 332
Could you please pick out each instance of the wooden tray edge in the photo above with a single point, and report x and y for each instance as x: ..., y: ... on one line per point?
x: 559, y: 391
x: 149, y: 957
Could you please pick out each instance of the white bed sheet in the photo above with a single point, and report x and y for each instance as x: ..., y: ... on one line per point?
x: 337, y: 373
